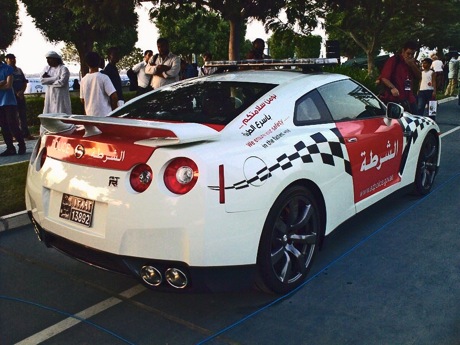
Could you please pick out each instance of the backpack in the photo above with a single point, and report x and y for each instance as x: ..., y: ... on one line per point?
x: 132, y: 79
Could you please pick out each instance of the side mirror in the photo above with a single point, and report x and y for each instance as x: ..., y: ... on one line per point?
x: 394, y: 111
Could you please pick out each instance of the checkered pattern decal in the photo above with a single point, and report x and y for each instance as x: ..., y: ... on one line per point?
x: 414, y: 124
x: 328, y: 145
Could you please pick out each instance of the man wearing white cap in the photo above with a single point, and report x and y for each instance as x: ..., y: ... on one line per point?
x: 56, y: 77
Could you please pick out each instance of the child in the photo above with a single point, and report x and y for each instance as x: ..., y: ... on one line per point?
x: 427, y: 89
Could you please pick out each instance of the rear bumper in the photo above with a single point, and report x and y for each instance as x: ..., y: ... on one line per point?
x: 201, y: 279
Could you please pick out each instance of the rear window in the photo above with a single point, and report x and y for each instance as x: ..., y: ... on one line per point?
x: 196, y: 102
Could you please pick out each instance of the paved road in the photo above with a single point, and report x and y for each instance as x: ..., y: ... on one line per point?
x: 390, y: 275
x: 16, y: 158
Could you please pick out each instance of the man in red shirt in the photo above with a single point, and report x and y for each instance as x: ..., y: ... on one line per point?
x: 399, y: 75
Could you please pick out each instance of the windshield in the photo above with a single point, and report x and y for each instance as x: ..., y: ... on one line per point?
x: 197, y: 102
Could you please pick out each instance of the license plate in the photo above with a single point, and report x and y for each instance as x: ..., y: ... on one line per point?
x: 76, y: 209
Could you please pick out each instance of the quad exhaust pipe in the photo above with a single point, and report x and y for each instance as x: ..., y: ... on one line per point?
x: 173, y: 276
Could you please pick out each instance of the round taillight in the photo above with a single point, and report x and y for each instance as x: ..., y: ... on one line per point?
x: 43, y: 154
x: 141, y: 177
x: 181, y: 175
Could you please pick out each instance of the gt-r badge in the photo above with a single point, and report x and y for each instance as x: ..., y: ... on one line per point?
x: 113, y: 181
x: 79, y: 151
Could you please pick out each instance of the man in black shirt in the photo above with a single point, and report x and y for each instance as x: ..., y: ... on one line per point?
x: 111, y: 71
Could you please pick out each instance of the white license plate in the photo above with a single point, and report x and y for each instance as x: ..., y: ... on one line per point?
x: 76, y: 209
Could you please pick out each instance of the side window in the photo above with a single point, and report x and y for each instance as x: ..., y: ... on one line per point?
x: 348, y: 100
x: 310, y: 109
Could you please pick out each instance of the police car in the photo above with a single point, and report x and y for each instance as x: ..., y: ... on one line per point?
x: 232, y: 178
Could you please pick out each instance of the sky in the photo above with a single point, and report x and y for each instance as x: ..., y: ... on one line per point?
x: 31, y: 46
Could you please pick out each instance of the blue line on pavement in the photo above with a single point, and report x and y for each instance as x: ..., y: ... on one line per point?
x: 352, y: 249
x: 68, y: 315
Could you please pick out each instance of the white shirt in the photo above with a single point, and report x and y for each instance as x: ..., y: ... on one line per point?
x: 143, y: 80
x: 95, y: 90
x: 170, y: 76
x: 427, y: 80
x: 57, y: 97
x: 437, y: 65
x: 206, y: 70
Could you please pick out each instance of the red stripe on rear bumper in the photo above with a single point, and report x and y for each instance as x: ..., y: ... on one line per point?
x: 105, y: 152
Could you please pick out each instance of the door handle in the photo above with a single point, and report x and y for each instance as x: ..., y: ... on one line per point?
x: 352, y: 140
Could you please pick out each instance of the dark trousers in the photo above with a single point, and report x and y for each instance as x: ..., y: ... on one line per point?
x: 142, y: 90
x: 423, y: 98
x: 409, y: 107
x: 439, y: 81
x: 10, y: 126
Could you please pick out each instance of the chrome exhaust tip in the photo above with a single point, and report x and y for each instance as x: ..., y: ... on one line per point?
x: 176, y: 278
x: 150, y: 275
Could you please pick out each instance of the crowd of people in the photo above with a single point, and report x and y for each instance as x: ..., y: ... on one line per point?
x: 414, y: 85
x: 405, y: 82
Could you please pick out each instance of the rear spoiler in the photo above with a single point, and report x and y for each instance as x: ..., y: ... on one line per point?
x: 147, y: 133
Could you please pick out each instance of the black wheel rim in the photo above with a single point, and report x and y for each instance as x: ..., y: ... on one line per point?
x: 428, y: 163
x: 294, y: 239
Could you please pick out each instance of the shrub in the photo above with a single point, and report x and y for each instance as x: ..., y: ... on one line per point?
x: 358, y: 74
x: 36, y: 102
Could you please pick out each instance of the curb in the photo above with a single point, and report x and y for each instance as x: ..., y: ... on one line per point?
x: 447, y: 99
x: 14, y: 220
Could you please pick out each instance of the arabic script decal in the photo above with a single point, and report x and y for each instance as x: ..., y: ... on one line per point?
x: 257, y: 124
x: 257, y: 110
x: 110, y: 156
x: 376, y: 161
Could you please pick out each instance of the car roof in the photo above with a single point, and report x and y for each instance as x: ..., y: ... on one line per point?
x: 277, y: 77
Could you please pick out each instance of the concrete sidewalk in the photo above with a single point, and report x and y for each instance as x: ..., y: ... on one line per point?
x: 30, y: 144
x: 14, y: 220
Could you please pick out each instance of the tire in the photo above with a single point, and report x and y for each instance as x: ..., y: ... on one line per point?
x: 427, y: 165
x: 289, y: 241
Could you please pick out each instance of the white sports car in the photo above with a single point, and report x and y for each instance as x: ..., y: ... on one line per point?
x: 230, y: 178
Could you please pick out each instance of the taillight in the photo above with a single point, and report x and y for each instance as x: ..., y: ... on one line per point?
x: 141, y: 177
x: 43, y: 154
x: 181, y: 175
x: 35, y: 151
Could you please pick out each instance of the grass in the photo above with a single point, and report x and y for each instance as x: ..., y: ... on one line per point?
x: 12, y: 187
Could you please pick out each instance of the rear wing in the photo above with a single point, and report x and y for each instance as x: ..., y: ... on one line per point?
x: 146, y: 133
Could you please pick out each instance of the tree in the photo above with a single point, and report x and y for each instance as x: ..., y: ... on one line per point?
x: 281, y: 44
x: 9, y: 22
x: 133, y: 58
x: 195, y: 31
x: 307, y: 46
x: 236, y: 12
x: 88, y: 24
x: 285, y: 43
x: 387, y: 24
x: 300, y: 16
x: 366, y: 24
x: 70, y: 54
x: 348, y: 47
x: 431, y: 25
